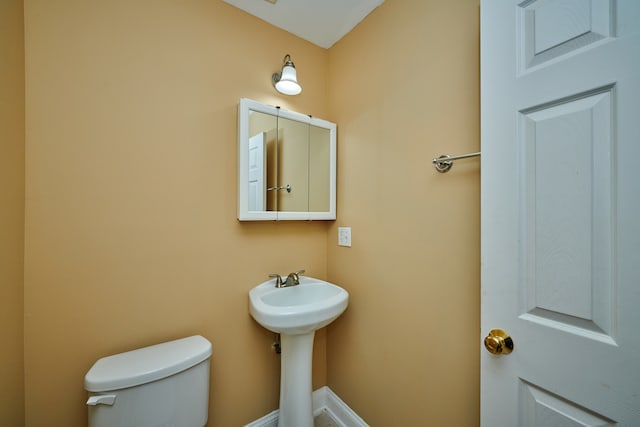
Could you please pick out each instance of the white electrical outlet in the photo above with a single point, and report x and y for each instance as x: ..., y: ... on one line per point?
x: 344, y: 236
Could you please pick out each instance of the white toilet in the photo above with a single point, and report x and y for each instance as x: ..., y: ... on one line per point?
x: 162, y: 385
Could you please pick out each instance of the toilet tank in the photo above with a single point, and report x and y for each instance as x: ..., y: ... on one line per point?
x: 162, y: 385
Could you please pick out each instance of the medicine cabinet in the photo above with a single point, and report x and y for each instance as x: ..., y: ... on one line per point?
x: 286, y: 164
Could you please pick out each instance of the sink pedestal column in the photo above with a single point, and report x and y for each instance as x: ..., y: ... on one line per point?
x: 295, y: 380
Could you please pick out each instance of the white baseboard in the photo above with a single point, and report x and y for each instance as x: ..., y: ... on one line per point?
x: 269, y: 420
x: 322, y: 398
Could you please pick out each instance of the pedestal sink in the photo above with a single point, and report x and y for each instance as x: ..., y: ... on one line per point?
x: 296, y: 313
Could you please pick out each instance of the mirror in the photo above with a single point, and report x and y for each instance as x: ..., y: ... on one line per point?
x: 286, y: 164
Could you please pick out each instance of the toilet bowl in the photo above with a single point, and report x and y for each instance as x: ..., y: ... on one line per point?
x: 162, y: 385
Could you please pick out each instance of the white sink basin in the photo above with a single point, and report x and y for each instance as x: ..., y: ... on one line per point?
x: 296, y: 312
x: 299, y: 309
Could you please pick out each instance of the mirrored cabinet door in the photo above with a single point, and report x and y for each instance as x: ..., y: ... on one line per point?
x: 286, y: 165
x: 320, y: 178
x: 293, y: 170
x: 263, y: 131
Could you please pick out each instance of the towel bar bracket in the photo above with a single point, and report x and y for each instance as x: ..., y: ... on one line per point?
x: 445, y: 162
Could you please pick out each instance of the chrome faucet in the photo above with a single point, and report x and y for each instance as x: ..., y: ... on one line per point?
x: 293, y: 279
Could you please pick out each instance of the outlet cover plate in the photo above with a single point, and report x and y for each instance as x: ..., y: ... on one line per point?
x: 344, y: 236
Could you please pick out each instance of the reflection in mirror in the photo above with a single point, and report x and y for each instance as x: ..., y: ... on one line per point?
x: 319, y: 168
x: 262, y: 161
x: 293, y: 154
x: 286, y: 164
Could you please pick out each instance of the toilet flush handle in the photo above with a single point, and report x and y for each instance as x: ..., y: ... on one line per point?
x: 102, y: 399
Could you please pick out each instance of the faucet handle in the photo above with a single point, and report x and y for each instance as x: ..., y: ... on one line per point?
x: 278, y: 279
x: 294, y: 278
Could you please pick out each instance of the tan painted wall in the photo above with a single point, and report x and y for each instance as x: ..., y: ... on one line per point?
x: 404, y: 89
x: 11, y: 212
x: 131, y: 230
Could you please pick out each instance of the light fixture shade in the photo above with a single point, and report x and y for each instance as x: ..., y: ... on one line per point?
x: 286, y: 82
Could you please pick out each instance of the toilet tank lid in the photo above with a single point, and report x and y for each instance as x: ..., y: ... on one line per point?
x: 146, y: 364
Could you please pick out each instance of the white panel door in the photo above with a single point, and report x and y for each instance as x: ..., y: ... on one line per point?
x: 258, y: 172
x: 560, y: 82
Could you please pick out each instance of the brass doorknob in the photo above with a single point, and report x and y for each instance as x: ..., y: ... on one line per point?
x: 498, y: 342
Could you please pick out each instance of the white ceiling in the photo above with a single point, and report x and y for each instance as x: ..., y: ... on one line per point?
x: 322, y: 22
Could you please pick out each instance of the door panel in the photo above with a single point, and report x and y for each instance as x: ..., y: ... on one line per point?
x: 566, y: 217
x: 560, y: 206
x: 550, y: 29
x: 541, y: 408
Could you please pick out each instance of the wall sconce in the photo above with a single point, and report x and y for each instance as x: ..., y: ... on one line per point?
x: 286, y: 81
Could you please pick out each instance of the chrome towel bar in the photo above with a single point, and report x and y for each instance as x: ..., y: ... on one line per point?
x: 444, y: 162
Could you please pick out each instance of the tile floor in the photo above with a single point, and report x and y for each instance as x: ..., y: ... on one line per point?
x: 324, y: 420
